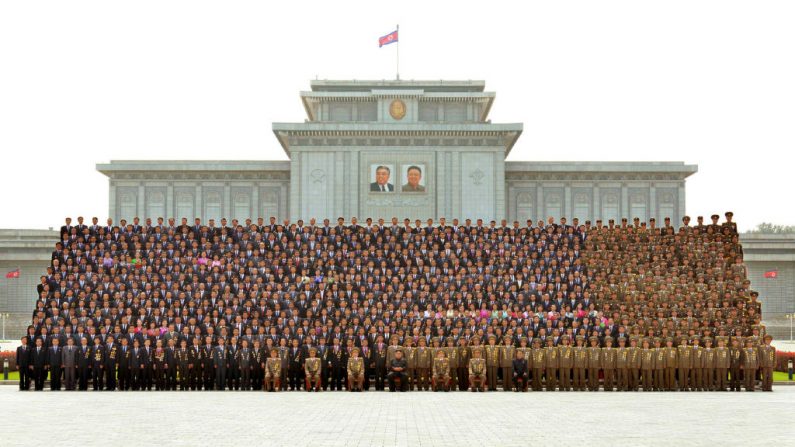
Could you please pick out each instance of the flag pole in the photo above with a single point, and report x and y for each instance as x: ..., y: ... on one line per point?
x: 397, y: 52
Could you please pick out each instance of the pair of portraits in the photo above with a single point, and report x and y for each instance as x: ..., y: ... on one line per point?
x: 409, y: 177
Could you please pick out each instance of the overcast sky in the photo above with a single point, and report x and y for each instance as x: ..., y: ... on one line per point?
x: 704, y: 82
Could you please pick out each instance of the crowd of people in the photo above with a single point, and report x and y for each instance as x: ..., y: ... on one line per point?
x: 440, y: 305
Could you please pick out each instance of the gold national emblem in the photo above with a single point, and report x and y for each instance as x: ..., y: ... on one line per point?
x: 397, y: 109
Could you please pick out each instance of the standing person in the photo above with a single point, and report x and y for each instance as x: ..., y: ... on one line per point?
x: 324, y: 354
x: 136, y: 366
x: 284, y: 356
x: 580, y: 363
x: 220, y: 364
x: 295, y: 365
x: 258, y: 356
x: 98, y: 365
x: 83, y: 364
x: 594, y: 363
x: 451, y: 352
x: 111, y: 361
x: 410, y: 355
x: 423, y: 363
x: 565, y: 362
x: 196, y: 365
x: 551, y: 365
x: 171, y: 361
x: 622, y: 364
x: 182, y: 358
x: 671, y: 364
x: 708, y: 375
x: 38, y: 364
x: 767, y: 361
x: 607, y: 361
x: 379, y: 362
x: 208, y: 364
x: 685, y: 360
x: 647, y: 355
x: 633, y: 363
x: 369, y: 362
x: 464, y: 354
x: 147, y: 363
x: 492, y: 362
x: 750, y: 364
x: 696, y: 365
x: 69, y: 362
x: 338, y: 363
x: 160, y: 360
x: 23, y: 364
x: 232, y: 371
x: 507, y: 356
x: 244, y: 365
x: 125, y: 364
x: 735, y: 364
x: 659, y: 365
x: 722, y: 364
x: 54, y: 364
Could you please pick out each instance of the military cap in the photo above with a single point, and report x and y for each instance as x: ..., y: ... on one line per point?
x: 683, y: 338
x: 492, y: 336
x: 477, y: 349
x: 768, y: 337
x: 436, y: 339
x: 611, y: 221
x: 587, y: 222
x: 707, y: 340
x: 749, y: 340
x: 715, y: 216
x: 564, y: 337
x: 623, y: 219
x: 652, y: 220
x: 622, y: 339
x: 536, y: 341
x: 550, y: 340
x: 658, y: 340
x: 609, y: 340
x: 313, y: 349
x: 522, y: 339
x: 669, y: 339
x: 667, y: 219
x: 593, y: 338
x: 754, y: 293
x: 636, y: 219
x: 728, y: 214
x: 580, y: 337
x: 695, y: 339
x: 355, y: 349
x: 634, y: 338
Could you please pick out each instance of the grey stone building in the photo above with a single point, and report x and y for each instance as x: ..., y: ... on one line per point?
x: 432, y: 145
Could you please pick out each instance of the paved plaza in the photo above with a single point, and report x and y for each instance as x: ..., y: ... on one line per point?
x: 396, y: 419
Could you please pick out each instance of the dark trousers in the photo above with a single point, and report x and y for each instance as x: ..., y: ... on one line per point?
x: 160, y: 378
x: 146, y: 377
x: 110, y: 377
x: 171, y: 378
x: 294, y: 377
x: 609, y: 379
x: 380, y: 377
x: 245, y: 377
x: 403, y: 381
x: 124, y: 378
x: 98, y: 377
x: 184, y: 377
x: 55, y: 378
x: 24, y: 378
x: 750, y: 379
x: 593, y: 379
x: 196, y: 377
x: 209, y: 377
x: 83, y: 373
x: 39, y: 375
x: 463, y: 378
x: 337, y: 377
x: 135, y: 378
x: 220, y: 377
x: 507, y: 377
x: 734, y: 379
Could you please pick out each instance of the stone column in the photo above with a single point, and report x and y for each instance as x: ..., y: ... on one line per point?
x: 112, y: 203
x: 681, y: 203
x: 653, y: 202
x: 540, y: 202
x: 624, y: 211
x: 567, y: 205
x: 596, y: 213
x: 141, y: 201
x: 199, y: 211
x: 295, y: 198
x: 227, y: 202
x: 170, y: 203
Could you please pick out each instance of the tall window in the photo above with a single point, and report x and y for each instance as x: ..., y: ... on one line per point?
x: 582, y: 207
x: 184, y: 205
x: 128, y: 205
x: 212, y: 206
x: 156, y: 205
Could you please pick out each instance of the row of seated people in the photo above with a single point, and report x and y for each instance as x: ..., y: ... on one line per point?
x: 264, y: 283
x: 654, y: 365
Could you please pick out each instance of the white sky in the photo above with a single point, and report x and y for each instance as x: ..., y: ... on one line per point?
x: 705, y: 82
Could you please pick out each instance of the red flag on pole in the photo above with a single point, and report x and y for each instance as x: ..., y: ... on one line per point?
x: 13, y: 274
x: 771, y: 274
x: 387, y: 39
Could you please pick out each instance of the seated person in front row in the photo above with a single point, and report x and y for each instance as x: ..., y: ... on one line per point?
x: 477, y: 370
x: 441, y: 372
x: 397, y: 372
x: 520, y: 371
x: 273, y: 371
x: 312, y: 370
x: 355, y: 371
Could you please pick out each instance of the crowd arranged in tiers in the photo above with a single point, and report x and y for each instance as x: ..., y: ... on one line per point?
x: 400, y: 305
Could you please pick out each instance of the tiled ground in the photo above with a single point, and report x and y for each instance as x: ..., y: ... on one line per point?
x: 387, y: 419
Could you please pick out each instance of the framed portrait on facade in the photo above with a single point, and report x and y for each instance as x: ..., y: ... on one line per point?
x: 382, y: 177
x: 413, y: 177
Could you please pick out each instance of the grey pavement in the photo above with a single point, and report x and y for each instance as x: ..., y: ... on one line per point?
x: 396, y: 419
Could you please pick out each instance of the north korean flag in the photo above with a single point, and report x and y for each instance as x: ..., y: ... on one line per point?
x: 13, y: 274
x: 389, y: 38
x: 772, y: 274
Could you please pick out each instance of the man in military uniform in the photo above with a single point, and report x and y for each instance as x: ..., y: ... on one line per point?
x: 659, y: 365
x: 696, y: 365
x: 708, y: 365
x: 208, y: 354
x: 355, y: 370
x: 767, y: 361
x: 539, y: 363
x: 379, y: 362
x: 735, y: 364
x: 580, y: 362
x: 552, y: 362
x: 492, y: 362
x: 195, y: 366
x: 410, y: 356
x: 750, y: 364
x: 507, y: 354
x: 565, y: 362
x: 441, y: 372
x: 464, y: 355
x: 477, y: 370
x: 722, y: 364
x: 98, y: 364
x: 312, y: 371
x: 451, y: 353
x: 671, y: 364
x: 647, y: 355
x: 633, y: 364
x: 273, y: 371
x: 607, y: 361
x: 622, y: 364
x: 685, y: 361
x: 183, y: 362
x: 423, y: 363
x: 594, y: 363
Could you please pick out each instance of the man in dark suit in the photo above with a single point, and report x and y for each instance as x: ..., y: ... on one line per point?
x: 23, y: 364
x: 83, y: 364
x: 124, y: 362
x: 38, y: 364
x: 295, y: 357
x: 381, y: 183
x: 54, y: 363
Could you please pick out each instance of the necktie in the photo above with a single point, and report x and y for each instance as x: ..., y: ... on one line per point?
x: 383, y: 189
